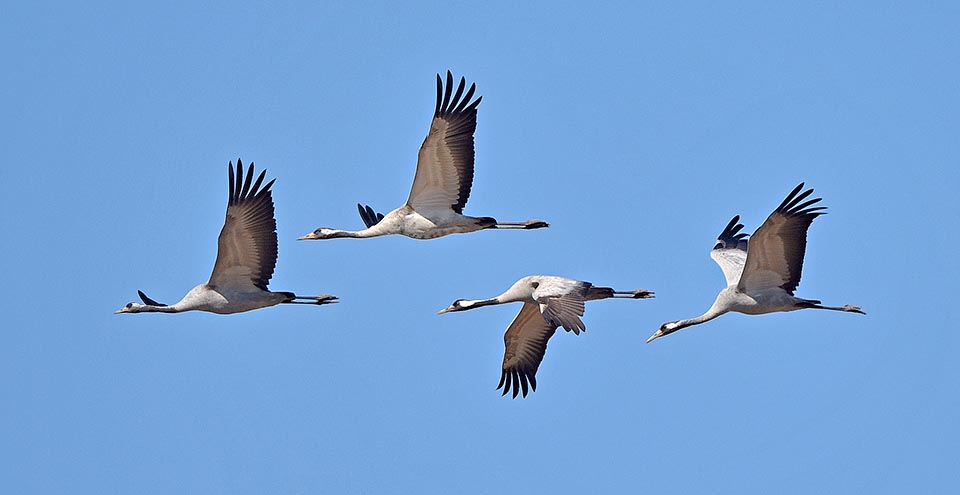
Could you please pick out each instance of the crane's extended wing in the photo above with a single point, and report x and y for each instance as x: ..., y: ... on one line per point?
x: 730, y: 252
x: 445, y: 162
x: 524, y: 343
x: 247, y: 247
x: 775, y: 253
x: 561, y: 302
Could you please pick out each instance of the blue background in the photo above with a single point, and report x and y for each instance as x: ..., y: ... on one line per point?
x: 637, y: 129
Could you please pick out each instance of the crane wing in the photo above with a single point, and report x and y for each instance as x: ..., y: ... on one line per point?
x: 147, y: 300
x: 445, y: 162
x: 561, y: 302
x: 525, y: 343
x: 247, y: 247
x: 730, y: 252
x: 775, y: 253
x: 369, y: 216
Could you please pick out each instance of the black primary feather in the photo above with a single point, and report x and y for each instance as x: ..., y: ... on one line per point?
x: 369, y: 216
x: 147, y: 300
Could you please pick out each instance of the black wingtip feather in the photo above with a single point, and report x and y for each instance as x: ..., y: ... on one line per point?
x: 436, y: 110
x: 456, y: 97
x: 790, y: 196
x: 732, y: 231
x: 449, y: 102
x: 230, y: 191
x: 255, y: 188
x: 466, y: 98
x: 446, y: 93
x: 369, y: 216
x: 246, y: 183
x: 237, y: 186
x: 147, y: 300
x: 794, y: 203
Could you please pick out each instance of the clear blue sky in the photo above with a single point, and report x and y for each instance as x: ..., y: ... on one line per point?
x: 636, y: 129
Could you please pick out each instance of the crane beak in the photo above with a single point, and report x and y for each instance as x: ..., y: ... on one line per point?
x: 655, y: 336
x: 307, y: 237
x: 445, y: 310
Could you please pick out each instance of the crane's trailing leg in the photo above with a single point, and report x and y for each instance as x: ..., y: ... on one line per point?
x: 635, y: 294
x: 529, y: 224
x: 321, y: 299
x: 847, y: 307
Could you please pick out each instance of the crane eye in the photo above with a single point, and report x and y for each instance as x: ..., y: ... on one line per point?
x: 129, y: 305
x: 535, y: 284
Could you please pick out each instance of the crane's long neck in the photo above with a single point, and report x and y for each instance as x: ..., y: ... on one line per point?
x: 356, y: 234
x: 149, y: 308
x: 711, y: 313
x: 476, y: 303
x: 673, y: 326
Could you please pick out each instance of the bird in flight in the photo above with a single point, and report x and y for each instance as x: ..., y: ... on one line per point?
x: 548, y: 302
x: 246, y: 257
x: 763, y: 273
x: 442, y: 182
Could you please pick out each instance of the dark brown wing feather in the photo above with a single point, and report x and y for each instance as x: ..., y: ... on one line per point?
x: 525, y: 343
x: 445, y: 165
x: 247, y: 246
x: 775, y: 251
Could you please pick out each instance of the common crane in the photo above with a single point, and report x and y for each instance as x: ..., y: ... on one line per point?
x: 548, y: 302
x: 763, y: 273
x: 246, y: 257
x: 442, y: 182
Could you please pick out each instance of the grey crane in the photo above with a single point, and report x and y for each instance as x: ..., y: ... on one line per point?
x: 763, y: 273
x: 442, y: 182
x: 548, y: 302
x: 246, y: 257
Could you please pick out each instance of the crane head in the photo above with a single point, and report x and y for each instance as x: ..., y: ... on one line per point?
x: 129, y: 308
x: 456, y: 306
x: 321, y: 233
x: 665, y: 329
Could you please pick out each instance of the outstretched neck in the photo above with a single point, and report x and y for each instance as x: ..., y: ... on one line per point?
x: 476, y: 303
x: 671, y: 327
x: 709, y: 315
x: 149, y: 308
x: 356, y: 234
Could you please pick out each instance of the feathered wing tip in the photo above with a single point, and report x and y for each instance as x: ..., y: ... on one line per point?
x: 447, y: 105
x: 249, y: 233
x: 246, y: 188
x: 730, y: 232
x: 369, y: 216
x: 792, y: 205
x: 147, y: 300
x: 518, y: 381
